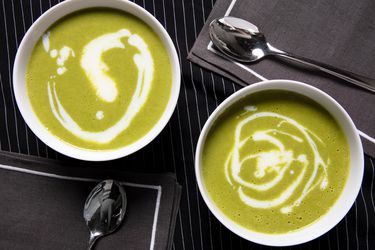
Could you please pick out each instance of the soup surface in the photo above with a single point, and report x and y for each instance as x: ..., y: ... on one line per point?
x: 99, y: 79
x: 275, y: 162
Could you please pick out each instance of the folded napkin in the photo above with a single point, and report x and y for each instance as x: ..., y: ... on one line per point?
x: 337, y: 32
x: 42, y: 205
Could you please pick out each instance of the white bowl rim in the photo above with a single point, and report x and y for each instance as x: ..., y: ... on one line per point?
x: 47, y: 19
x: 319, y: 228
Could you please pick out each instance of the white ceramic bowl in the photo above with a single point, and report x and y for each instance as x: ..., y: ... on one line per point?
x: 346, y: 199
x: 32, y: 37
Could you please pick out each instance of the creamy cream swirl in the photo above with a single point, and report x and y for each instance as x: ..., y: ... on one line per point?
x: 106, y: 89
x: 278, y: 160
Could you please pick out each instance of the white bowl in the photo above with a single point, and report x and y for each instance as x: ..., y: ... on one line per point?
x: 346, y: 199
x: 32, y: 37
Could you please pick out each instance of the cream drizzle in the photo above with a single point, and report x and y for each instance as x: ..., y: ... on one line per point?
x: 95, y: 68
x: 105, y: 87
x: 277, y: 160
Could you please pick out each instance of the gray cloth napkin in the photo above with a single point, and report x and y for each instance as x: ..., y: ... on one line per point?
x: 42, y: 205
x: 336, y: 32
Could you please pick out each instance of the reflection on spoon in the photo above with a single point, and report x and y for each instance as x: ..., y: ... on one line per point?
x: 104, y: 209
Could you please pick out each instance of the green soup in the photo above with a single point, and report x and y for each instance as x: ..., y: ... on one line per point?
x: 275, y: 162
x: 99, y: 79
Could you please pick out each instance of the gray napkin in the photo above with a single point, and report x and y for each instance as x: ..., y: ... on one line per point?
x: 336, y: 32
x: 42, y: 202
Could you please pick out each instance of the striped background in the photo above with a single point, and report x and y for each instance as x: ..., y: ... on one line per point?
x: 174, y: 149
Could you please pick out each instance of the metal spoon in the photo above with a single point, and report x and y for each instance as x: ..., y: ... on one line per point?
x: 242, y: 41
x: 104, y: 209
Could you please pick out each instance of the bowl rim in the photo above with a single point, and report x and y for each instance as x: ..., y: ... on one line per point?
x: 47, y: 19
x: 331, y: 219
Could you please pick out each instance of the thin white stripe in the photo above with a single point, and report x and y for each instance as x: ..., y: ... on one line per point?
x: 179, y: 124
x: 259, y: 76
x: 337, y: 237
x: 165, y: 17
x: 23, y: 17
x: 5, y: 111
x: 40, y: 7
x: 71, y: 178
x: 130, y: 184
x: 203, y: 11
x: 210, y: 229
x: 356, y: 224
x: 214, y: 89
x: 14, y: 24
x: 31, y: 11
x: 172, y: 146
x: 251, y: 71
x: 224, y: 89
x: 182, y: 232
x: 153, y: 5
x: 372, y: 184
x: 156, y: 214
x: 364, y: 203
x: 347, y: 233
x: 10, y: 76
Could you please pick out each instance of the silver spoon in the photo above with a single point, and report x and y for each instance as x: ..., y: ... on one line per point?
x: 104, y: 209
x: 242, y: 41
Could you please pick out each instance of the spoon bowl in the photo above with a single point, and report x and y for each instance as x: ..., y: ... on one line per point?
x: 104, y: 209
x: 238, y: 39
x: 242, y: 41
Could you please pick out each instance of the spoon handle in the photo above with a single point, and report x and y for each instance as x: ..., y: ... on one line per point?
x: 356, y: 79
x: 92, y: 240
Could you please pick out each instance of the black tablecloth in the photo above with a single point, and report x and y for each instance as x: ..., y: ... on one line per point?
x: 173, y: 149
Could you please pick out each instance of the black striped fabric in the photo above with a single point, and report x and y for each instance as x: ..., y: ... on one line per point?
x: 173, y: 150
